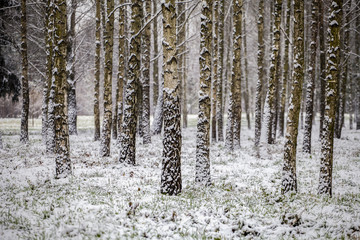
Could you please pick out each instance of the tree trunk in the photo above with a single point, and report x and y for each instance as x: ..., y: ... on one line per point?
x: 184, y: 92
x: 24, y: 133
x: 215, y: 70
x: 311, y: 78
x: 246, y: 91
x: 109, y: 41
x: 202, y: 168
x: 62, y: 146
x: 322, y: 63
x: 332, y: 80
x: 261, y: 73
x: 289, y: 182
x: 128, y: 136
x: 286, y: 74
x: 72, y: 111
x: 121, y: 71
x: 155, y: 57
x: 97, y: 73
x: 171, y: 162
x: 219, y: 88
x: 146, y: 74
x: 274, y: 74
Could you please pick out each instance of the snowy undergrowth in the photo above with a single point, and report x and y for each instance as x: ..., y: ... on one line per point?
x: 105, y: 199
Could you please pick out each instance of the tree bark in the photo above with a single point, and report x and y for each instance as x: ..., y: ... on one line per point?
x: 289, y: 182
x: 97, y: 72
x: 171, y: 162
x: 309, y: 107
x: 332, y: 81
x: 202, y: 167
x: 246, y: 74
x: 322, y: 64
x: 128, y: 136
x: 109, y: 42
x: 24, y: 133
x: 155, y: 57
x: 261, y: 73
x: 215, y: 71
x: 62, y: 146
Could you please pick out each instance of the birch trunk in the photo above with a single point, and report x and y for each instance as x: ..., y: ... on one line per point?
x: 171, y: 161
x: 322, y: 63
x: 219, y: 88
x: 215, y: 70
x: 289, y: 182
x: 97, y: 72
x: 155, y: 57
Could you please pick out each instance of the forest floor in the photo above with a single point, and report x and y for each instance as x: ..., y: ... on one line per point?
x: 105, y: 199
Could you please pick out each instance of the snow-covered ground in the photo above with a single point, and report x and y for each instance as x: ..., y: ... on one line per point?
x: 105, y: 199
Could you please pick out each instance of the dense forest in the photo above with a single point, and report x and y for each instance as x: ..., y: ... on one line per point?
x: 140, y: 88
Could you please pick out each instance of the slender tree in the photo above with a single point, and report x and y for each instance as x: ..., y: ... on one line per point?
x: 246, y: 74
x: 286, y: 74
x: 146, y: 74
x: 156, y: 58
x: 332, y: 80
x: 24, y: 133
x: 202, y: 167
x: 97, y: 72
x: 260, y: 61
x: 109, y: 41
x: 171, y: 161
x: 121, y: 71
x: 184, y: 92
x: 322, y: 63
x: 128, y: 135
x: 62, y: 146
x: 289, y: 182
x: 215, y: 70
x: 311, y: 77
x: 219, y: 88
x: 274, y: 74
x: 72, y: 111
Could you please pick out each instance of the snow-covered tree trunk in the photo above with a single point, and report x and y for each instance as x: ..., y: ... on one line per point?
x: 171, y: 183
x: 322, y: 63
x: 184, y: 92
x: 274, y: 74
x: 62, y: 146
x: 50, y: 138
x: 72, y: 111
x: 246, y: 74
x: 261, y: 73
x: 145, y: 39
x: 332, y: 80
x: 121, y: 71
x: 286, y: 75
x: 236, y: 72
x: 215, y: 70
x: 289, y: 182
x: 344, y: 71
x: 24, y: 133
x: 309, y: 107
x: 219, y: 87
x: 128, y: 135
x: 108, y: 41
x: 159, y: 111
x: 97, y: 72
x: 155, y: 57
x: 202, y: 168
x: 1, y: 142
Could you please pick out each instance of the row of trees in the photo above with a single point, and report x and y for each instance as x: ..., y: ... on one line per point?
x: 328, y: 69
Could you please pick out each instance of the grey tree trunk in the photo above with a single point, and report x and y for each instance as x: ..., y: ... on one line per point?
x: 289, y: 182
x: 215, y: 71
x: 109, y: 42
x: 322, y: 63
x: 155, y: 56
x: 128, y: 135
x: 171, y: 183
x: 62, y: 146
x: 24, y: 133
x: 202, y: 167
x: 332, y: 81
x: 309, y: 108
x: 246, y: 74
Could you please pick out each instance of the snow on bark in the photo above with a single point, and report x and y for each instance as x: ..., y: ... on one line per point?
x: 159, y: 111
x: 202, y: 167
x: 128, y: 135
x: 311, y: 78
x: 155, y: 65
x: 97, y: 73
x: 332, y: 81
x: 171, y: 182
x: 62, y: 145
x: 215, y: 71
x: 145, y: 43
x: 289, y: 182
x: 24, y: 132
x: 219, y: 87
x: 261, y: 73
x: 246, y: 74
x: 322, y: 63
x: 109, y: 41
